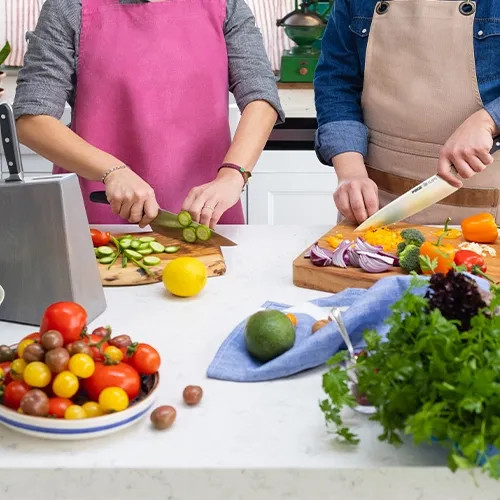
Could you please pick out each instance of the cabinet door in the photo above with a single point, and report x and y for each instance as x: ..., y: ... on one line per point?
x: 292, y: 198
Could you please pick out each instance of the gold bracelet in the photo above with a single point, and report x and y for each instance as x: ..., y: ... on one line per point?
x: 119, y: 167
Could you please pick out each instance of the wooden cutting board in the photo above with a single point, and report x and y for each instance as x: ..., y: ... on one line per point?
x: 335, y: 279
x: 132, y: 275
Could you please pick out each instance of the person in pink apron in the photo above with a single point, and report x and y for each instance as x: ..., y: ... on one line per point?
x: 405, y: 89
x: 149, y: 82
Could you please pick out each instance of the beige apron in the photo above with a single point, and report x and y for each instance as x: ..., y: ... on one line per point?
x: 420, y: 84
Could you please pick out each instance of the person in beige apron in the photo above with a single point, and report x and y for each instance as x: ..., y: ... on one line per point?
x: 422, y: 106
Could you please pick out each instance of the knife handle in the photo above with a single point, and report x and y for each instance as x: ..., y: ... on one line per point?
x: 10, y: 143
x: 99, y: 197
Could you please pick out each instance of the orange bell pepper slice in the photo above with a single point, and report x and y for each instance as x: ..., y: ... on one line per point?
x: 480, y: 228
x: 437, y: 257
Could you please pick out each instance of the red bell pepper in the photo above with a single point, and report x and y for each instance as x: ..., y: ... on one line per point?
x: 471, y: 260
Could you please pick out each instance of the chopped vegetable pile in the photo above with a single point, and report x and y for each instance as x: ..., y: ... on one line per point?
x: 436, y: 377
x: 384, y: 237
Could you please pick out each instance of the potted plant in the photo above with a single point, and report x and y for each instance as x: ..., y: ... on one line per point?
x: 4, y: 53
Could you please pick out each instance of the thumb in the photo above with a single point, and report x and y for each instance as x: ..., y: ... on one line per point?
x: 447, y: 171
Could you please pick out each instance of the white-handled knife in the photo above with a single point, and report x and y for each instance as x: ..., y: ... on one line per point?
x: 426, y: 194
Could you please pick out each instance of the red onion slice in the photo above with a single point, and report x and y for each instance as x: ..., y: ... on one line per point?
x: 339, y: 258
x: 353, y: 257
x: 374, y: 263
x: 320, y: 257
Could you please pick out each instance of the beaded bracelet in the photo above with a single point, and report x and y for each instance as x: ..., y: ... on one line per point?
x: 119, y: 167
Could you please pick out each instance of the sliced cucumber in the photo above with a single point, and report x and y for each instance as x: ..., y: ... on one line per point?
x: 171, y: 249
x: 203, y: 233
x: 125, y: 243
x: 189, y: 234
x: 125, y: 237
x: 96, y: 251
x: 104, y: 251
x: 143, y: 246
x: 107, y: 260
x: 157, y: 247
x: 145, y: 251
x: 147, y: 239
x: 135, y: 244
x: 132, y: 254
x: 151, y: 261
x: 184, y: 218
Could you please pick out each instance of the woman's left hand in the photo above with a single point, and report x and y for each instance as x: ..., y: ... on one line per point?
x: 207, y: 203
x: 468, y: 149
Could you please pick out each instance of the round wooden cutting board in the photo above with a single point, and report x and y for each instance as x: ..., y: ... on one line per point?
x: 132, y: 275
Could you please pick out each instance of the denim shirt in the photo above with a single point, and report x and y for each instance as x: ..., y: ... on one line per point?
x: 338, y: 81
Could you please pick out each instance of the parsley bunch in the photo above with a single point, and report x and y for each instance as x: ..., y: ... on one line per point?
x: 435, y: 377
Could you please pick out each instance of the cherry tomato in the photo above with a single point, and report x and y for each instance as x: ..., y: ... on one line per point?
x: 102, y: 331
x: 17, y: 368
x: 68, y: 318
x: 5, y: 367
x: 22, y: 346
x: 99, y: 238
x: 113, y: 353
x: 92, y: 409
x: 57, y: 406
x: 113, y: 399
x: 65, y: 385
x: 97, y: 352
x: 37, y: 374
x: 82, y: 365
x: 120, y: 375
x: 33, y: 336
x: 145, y: 358
x: 74, y: 412
x: 14, y: 392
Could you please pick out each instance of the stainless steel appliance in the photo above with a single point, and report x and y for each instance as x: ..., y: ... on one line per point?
x: 46, y: 253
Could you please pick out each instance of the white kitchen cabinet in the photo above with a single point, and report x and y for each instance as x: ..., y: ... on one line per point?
x: 291, y: 187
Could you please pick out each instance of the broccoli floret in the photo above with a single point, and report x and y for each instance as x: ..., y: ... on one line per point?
x: 408, y: 259
x: 413, y: 237
x: 401, y: 247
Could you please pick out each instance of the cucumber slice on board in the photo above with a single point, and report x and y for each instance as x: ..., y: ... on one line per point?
x: 105, y: 251
x: 147, y: 239
x: 151, y: 261
x: 132, y: 254
x: 189, y: 234
x: 203, y: 233
x: 125, y: 243
x: 157, y: 247
x: 135, y: 244
x: 171, y: 249
x: 145, y: 251
x: 143, y: 246
x: 107, y: 260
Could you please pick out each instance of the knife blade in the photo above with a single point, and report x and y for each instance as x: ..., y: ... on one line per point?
x: 427, y: 193
x: 166, y: 223
x: 10, y: 143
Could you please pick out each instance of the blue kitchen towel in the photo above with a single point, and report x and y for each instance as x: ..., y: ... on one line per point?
x: 366, y: 309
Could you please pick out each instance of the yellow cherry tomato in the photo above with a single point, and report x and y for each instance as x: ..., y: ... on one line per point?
x: 113, y: 353
x: 2, y: 375
x: 65, y: 384
x: 92, y: 409
x: 113, y: 399
x: 17, y: 368
x: 82, y: 365
x: 22, y: 346
x: 75, y: 412
x: 37, y: 374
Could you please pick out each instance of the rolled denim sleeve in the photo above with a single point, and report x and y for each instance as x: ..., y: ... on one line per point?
x: 338, y: 85
x: 493, y: 109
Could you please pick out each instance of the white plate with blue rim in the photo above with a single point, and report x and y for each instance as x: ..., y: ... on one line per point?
x: 79, y: 430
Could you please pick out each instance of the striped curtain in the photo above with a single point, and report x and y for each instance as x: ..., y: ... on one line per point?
x: 17, y: 17
x: 266, y: 13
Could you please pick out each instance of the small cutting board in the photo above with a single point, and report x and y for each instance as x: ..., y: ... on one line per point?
x: 132, y: 275
x: 335, y: 279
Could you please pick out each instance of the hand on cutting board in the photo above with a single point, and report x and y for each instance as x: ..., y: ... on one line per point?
x: 131, y: 197
x: 468, y: 149
x: 207, y: 203
x: 356, y: 196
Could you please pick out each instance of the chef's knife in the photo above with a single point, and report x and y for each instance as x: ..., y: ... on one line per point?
x: 166, y: 223
x: 426, y: 194
x: 10, y: 143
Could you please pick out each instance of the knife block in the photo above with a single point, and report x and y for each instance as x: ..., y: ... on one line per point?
x: 46, y: 253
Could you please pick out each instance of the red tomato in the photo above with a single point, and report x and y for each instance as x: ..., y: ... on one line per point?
x: 102, y: 331
x: 99, y: 238
x: 57, y: 406
x: 34, y: 336
x: 97, y: 352
x: 14, y: 391
x: 144, y: 358
x: 120, y: 375
x: 68, y: 318
x: 5, y: 367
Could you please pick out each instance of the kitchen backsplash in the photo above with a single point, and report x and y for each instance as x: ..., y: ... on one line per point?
x: 19, y: 16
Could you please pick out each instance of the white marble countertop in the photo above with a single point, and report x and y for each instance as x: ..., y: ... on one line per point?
x: 297, y: 103
x: 263, y: 441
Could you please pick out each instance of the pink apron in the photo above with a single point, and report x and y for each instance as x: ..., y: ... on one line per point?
x: 152, y: 90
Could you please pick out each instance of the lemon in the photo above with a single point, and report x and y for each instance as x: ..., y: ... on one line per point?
x: 185, y: 276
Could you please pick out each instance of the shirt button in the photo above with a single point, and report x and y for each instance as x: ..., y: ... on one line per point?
x: 480, y: 33
x: 364, y: 30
